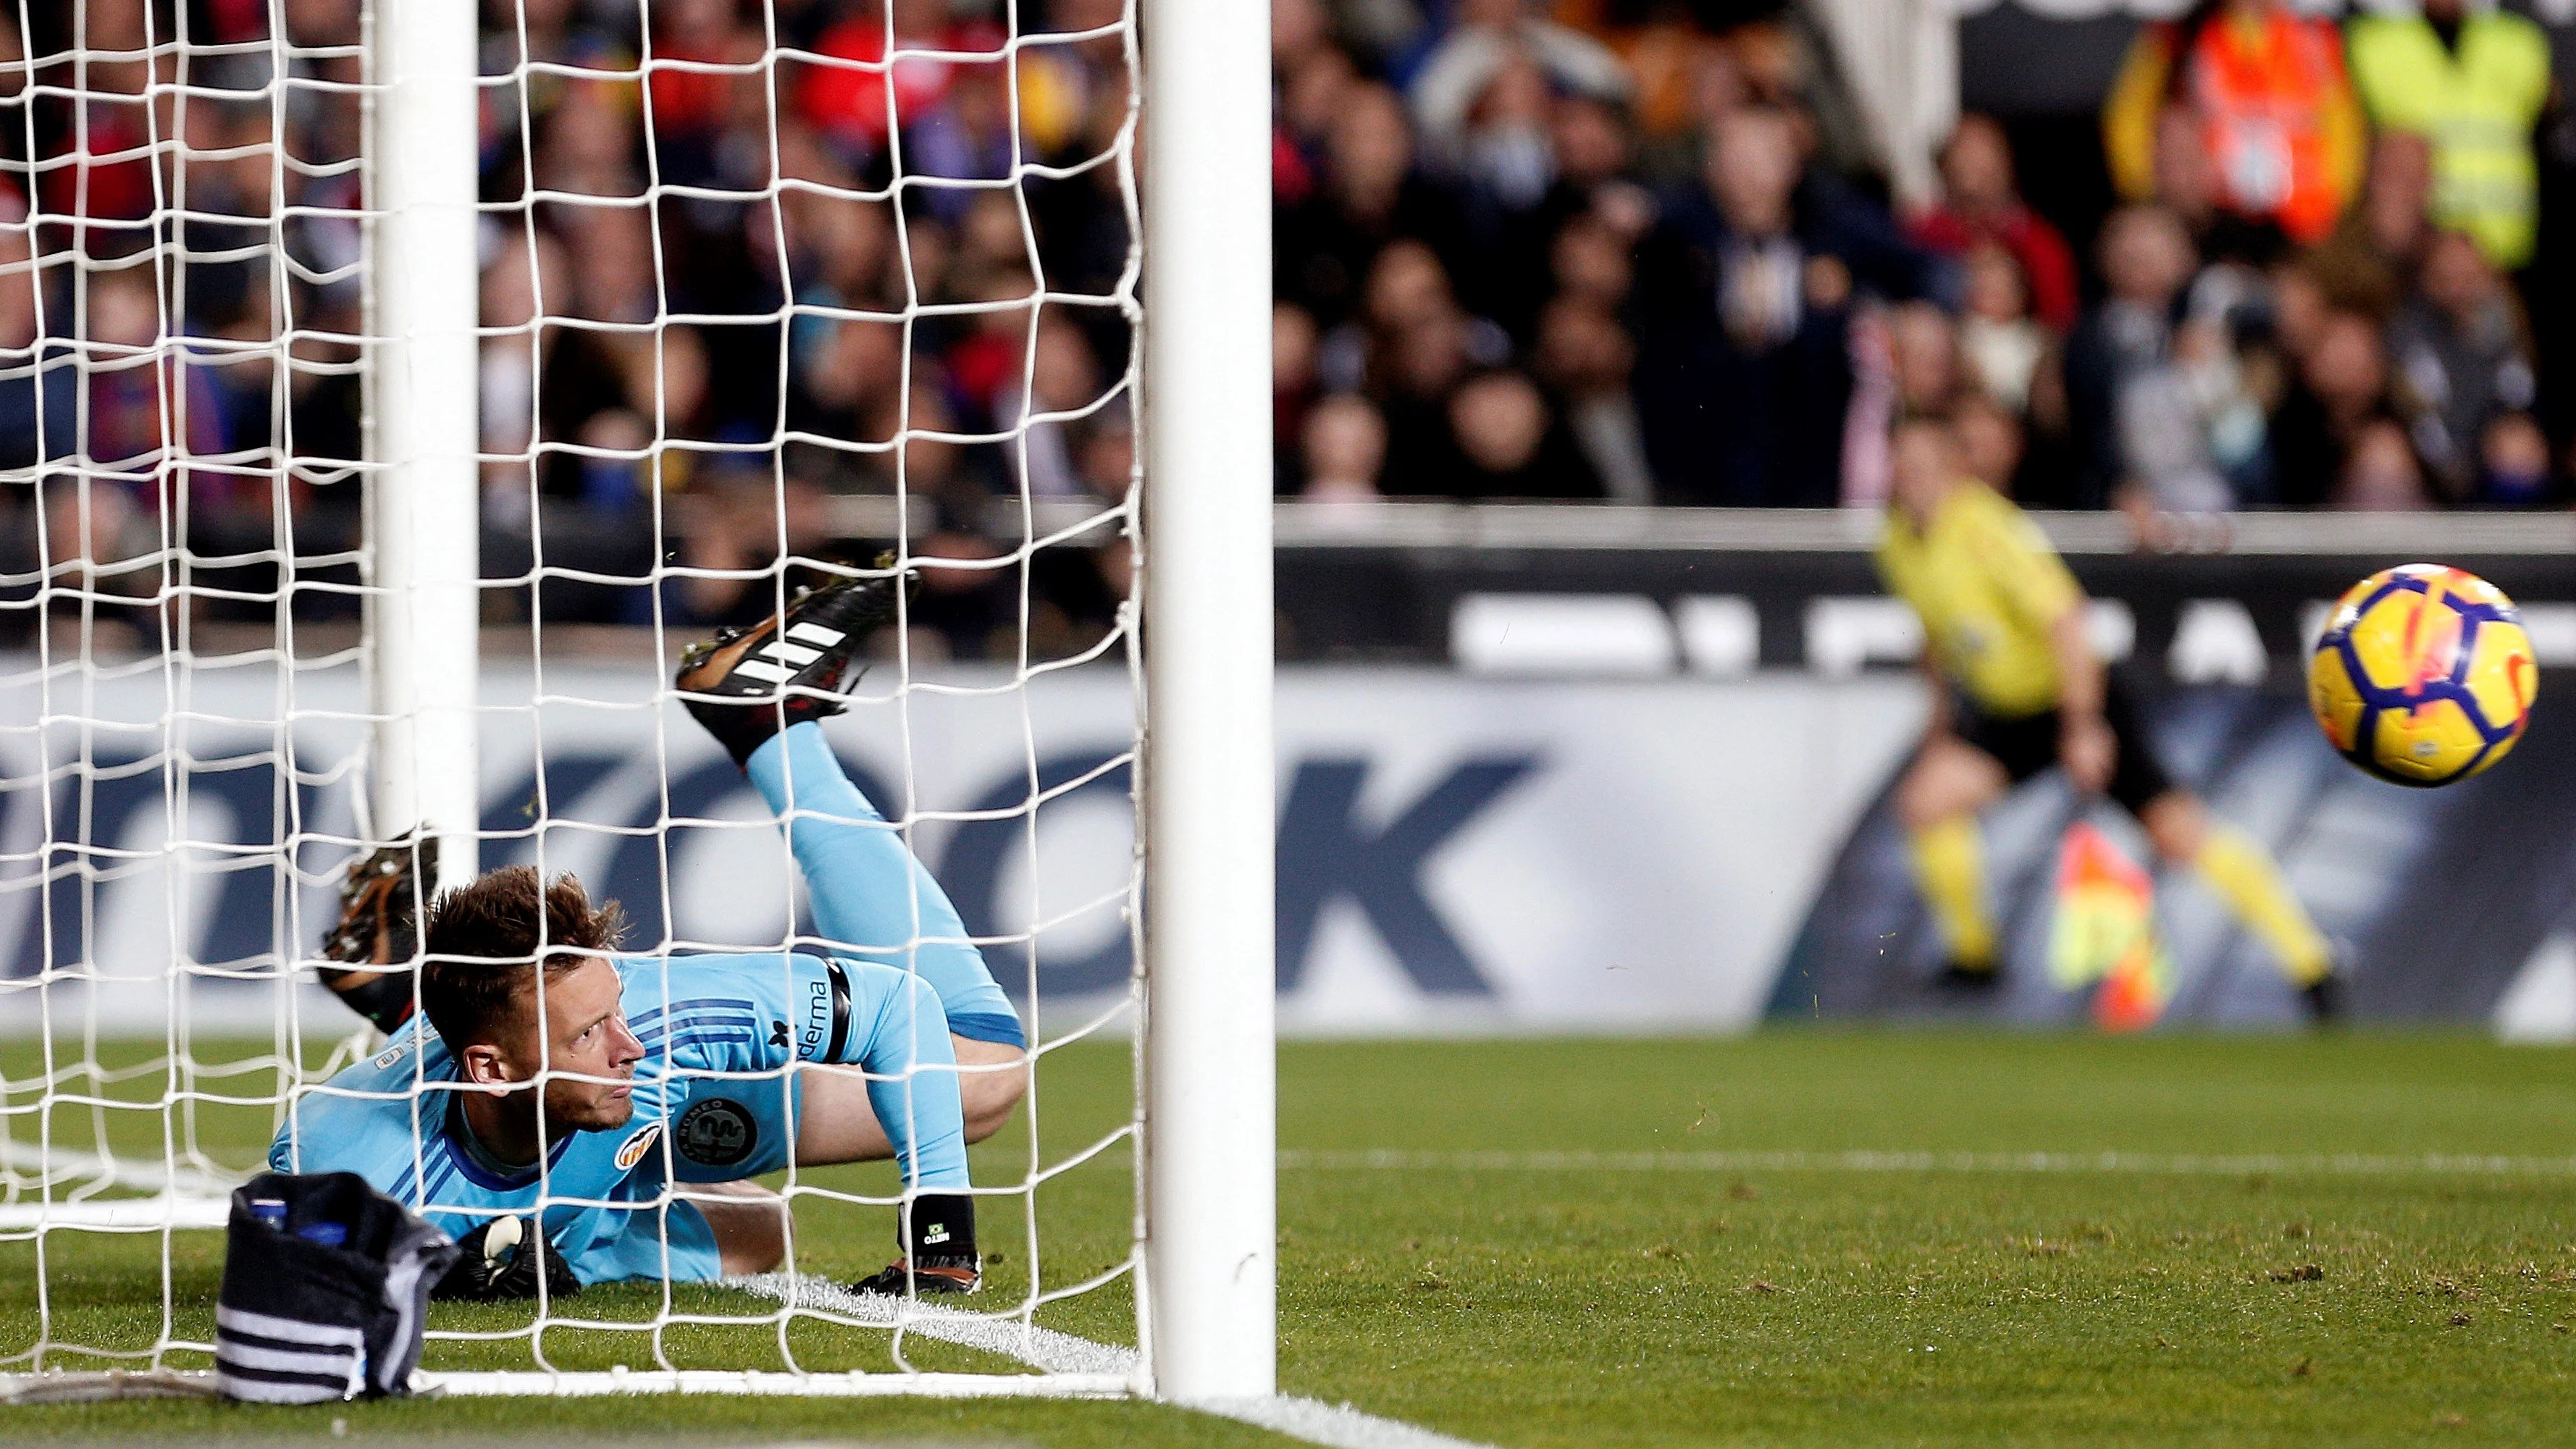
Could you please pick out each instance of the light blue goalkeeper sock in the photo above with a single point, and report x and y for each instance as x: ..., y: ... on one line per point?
x: 902, y: 1042
x: 867, y: 887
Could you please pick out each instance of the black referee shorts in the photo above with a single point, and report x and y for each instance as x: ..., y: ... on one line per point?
x: 2027, y: 744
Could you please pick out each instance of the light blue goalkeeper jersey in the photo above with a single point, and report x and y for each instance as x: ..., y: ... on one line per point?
x: 715, y: 1101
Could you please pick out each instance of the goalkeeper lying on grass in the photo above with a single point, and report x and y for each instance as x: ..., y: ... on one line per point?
x: 679, y: 1069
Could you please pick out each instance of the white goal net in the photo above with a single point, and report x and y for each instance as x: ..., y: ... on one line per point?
x: 769, y: 294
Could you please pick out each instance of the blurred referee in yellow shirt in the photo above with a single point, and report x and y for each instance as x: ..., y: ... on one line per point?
x: 2017, y: 688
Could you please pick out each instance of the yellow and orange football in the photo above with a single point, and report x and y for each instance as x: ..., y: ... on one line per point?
x: 2423, y: 675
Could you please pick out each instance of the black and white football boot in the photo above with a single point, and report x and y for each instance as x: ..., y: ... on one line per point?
x: 932, y: 1275
x: 748, y: 684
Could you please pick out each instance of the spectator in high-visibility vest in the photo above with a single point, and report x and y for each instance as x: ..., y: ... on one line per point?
x: 2276, y: 113
x: 2473, y: 81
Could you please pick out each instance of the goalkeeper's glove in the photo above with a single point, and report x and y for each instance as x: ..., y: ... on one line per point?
x: 503, y: 1260
x: 937, y: 1234
x: 379, y: 927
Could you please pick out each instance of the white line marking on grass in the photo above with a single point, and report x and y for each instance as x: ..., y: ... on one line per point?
x: 1338, y: 1426
x: 2149, y: 1163
x: 1039, y: 1348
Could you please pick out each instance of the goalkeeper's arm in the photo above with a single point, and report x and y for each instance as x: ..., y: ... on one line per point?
x: 889, y: 1022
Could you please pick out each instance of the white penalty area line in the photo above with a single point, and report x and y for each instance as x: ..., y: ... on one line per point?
x: 1337, y: 1426
x: 2434, y: 1164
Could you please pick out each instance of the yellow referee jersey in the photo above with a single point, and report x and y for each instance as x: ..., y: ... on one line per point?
x: 1988, y: 586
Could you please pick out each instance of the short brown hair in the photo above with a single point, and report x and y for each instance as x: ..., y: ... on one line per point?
x: 483, y: 938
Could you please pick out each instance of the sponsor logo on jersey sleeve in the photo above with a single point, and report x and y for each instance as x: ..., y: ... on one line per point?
x: 818, y: 1019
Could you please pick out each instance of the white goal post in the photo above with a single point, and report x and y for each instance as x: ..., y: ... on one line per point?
x: 1212, y: 1258
x: 389, y: 732
x: 423, y: 501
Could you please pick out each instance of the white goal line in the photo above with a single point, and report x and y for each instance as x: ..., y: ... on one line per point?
x: 2145, y: 1163
x: 1070, y: 1367
x: 774, y: 1384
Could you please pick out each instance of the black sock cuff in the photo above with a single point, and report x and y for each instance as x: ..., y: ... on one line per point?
x: 937, y: 1225
x: 741, y: 728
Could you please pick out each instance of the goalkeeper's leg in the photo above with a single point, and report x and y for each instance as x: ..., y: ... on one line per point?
x: 760, y: 691
x: 872, y: 895
x: 749, y: 1223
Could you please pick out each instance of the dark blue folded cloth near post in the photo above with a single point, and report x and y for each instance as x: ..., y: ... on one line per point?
x: 326, y: 1286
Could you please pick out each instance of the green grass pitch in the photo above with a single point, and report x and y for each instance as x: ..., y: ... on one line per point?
x: 1695, y: 1294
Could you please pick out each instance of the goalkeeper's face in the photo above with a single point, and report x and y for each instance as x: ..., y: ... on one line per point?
x: 582, y: 1037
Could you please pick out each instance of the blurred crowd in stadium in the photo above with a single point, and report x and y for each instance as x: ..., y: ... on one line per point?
x: 639, y: 385
x: 1635, y: 250
x: 918, y: 315
x: 1638, y: 252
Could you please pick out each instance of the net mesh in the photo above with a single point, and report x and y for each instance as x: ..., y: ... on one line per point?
x: 770, y: 294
